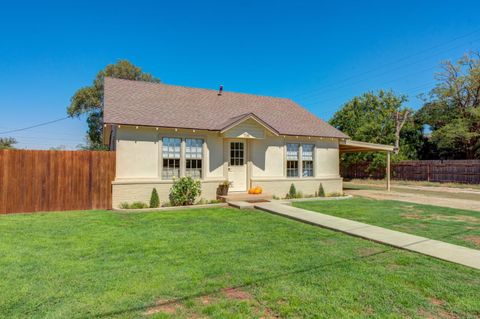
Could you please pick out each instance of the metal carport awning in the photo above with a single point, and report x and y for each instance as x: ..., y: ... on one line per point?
x: 349, y: 146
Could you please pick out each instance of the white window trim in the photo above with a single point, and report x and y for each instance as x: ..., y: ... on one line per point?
x: 183, y: 160
x: 300, y: 159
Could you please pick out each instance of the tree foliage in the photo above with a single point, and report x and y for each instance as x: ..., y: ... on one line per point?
x: 89, y: 100
x: 7, y: 143
x: 452, y: 110
x: 381, y: 118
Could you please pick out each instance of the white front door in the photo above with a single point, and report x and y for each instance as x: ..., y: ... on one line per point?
x: 237, y: 166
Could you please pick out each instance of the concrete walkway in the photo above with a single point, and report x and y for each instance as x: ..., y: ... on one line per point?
x: 438, y: 249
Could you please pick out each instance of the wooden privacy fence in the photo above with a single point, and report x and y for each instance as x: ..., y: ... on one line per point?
x: 448, y: 171
x: 32, y: 181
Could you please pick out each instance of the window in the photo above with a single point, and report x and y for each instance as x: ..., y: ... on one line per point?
x: 292, y: 160
x: 307, y: 160
x: 193, y: 155
x: 236, y: 154
x: 171, y: 157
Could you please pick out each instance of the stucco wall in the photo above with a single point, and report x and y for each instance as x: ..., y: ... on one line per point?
x: 139, y: 165
x: 137, y: 153
x: 272, y: 150
x: 267, y: 156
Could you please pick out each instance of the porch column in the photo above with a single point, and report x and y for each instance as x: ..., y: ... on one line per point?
x: 388, y: 171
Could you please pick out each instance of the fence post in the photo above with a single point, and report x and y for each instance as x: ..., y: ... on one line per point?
x: 388, y: 171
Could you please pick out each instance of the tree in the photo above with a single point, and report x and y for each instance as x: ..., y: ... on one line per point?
x: 452, y: 110
x: 379, y: 118
x: 7, y: 143
x: 89, y: 100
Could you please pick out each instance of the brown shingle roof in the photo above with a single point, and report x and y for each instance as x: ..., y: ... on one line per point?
x: 162, y: 105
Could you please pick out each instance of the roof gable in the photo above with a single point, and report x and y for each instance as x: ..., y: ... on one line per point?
x: 162, y: 105
x: 251, y: 118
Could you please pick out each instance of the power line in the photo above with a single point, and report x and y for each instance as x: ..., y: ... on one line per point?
x: 395, y: 62
x: 33, y: 126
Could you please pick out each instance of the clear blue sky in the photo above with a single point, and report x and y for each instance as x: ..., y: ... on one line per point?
x: 320, y: 54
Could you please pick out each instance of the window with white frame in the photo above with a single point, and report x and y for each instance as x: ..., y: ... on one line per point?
x: 237, y: 154
x: 193, y: 156
x: 307, y: 160
x: 171, y: 157
x: 292, y: 159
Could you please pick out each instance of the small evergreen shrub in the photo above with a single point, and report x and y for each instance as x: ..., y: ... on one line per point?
x: 154, y: 200
x: 292, y: 193
x: 321, y: 191
x: 184, y: 191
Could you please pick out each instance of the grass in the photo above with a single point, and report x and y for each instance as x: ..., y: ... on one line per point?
x: 461, y: 227
x: 215, y: 263
x: 432, y: 193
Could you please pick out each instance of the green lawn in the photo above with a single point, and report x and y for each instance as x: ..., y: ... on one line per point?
x: 456, y: 226
x: 215, y: 263
x: 431, y: 192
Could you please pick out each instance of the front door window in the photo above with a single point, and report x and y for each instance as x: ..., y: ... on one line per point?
x: 236, y: 154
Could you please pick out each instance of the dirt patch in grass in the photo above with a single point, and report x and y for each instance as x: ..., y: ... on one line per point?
x: 369, y: 251
x: 447, y: 218
x: 474, y: 239
x: 206, y: 300
x: 439, y: 315
x: 437, y: 302
x: 164, y: 306
x: 237, y: 294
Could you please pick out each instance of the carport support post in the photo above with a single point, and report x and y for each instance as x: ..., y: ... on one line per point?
x: 388, y: 171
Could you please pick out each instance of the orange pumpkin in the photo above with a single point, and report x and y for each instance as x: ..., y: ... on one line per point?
x: 258, y: 190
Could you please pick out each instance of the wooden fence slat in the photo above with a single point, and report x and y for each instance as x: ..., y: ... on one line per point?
x: 455, y: 171
x: 32, y: 181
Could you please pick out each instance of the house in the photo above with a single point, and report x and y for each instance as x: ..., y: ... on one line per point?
x: 162, y: 131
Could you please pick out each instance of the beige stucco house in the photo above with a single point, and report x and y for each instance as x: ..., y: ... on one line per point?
x: 161, y: 131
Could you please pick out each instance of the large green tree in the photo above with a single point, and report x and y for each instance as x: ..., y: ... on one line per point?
x: 382, y: 118
x: 7, y: 143
x: 89, y: 100
x: 452, y: 110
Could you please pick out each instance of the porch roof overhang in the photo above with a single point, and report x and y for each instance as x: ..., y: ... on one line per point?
x: 349, y: 146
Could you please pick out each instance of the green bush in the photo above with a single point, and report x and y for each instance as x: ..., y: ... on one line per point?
x: 134, y: 205
x: 292, y: 193
x: 321, y: 191
x: 124, y: 205
x: 184, y: 191
x: 138, y: 205
x: 154, y: 200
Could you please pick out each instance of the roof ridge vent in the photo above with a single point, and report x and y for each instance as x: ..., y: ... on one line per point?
x: 220, y: 90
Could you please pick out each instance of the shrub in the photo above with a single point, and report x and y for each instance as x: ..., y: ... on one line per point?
x: 134, y: 205
x: 292, y: 193
x: 154, y: 200
x: 138, y: 205
x: 334, y: 195
x: 184, y: 191
x: 321, y: 191
x: 124, y: 205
